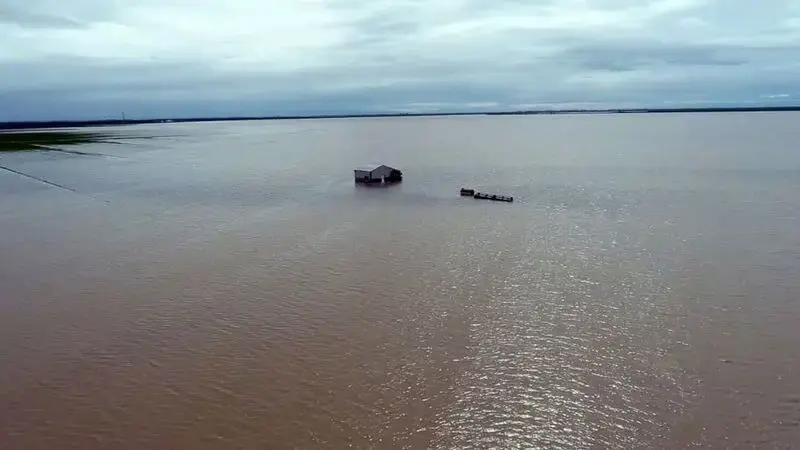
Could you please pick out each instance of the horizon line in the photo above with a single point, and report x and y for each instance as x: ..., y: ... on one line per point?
x: 90, y: 122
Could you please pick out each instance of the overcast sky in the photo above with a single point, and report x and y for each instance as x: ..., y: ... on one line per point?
x: 95, y: 58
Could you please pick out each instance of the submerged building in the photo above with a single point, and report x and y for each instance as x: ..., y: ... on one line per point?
x: 377, y: 174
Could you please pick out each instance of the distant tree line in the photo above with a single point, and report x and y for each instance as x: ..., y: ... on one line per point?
x: 97, y: 123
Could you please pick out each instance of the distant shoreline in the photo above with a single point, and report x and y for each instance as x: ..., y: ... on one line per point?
x: 23, y: 125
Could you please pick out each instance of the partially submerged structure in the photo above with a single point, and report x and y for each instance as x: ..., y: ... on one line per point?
x: 481, y: 196
x: 497, y: 198
x: 377, y: 174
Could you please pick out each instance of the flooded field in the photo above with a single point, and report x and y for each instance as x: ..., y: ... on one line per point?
x: 226, y: 285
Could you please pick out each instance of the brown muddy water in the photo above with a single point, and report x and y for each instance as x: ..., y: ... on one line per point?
x: 225, y: 285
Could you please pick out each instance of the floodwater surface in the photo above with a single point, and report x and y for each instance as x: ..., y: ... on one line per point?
x: 226, y: 285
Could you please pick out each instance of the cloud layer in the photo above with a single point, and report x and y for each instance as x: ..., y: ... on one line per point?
x: 91, y: 58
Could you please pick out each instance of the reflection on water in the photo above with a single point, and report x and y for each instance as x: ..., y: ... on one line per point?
x: 227, y: 285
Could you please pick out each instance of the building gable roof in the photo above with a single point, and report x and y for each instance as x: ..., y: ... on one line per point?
x: 372, y: 167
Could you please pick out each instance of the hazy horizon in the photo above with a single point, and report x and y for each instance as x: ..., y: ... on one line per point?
x: 362, y: 114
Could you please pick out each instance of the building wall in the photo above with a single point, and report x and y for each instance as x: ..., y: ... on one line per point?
x: 361, y: 174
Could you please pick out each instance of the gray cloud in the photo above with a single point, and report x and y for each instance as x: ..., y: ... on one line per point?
x: 17, y: 16
x: 181, y: 57
x: 54, y: 14
x: 624, y: 56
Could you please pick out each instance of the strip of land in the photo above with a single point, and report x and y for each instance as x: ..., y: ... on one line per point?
x: 96, y: 123
x: 46, y: 140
